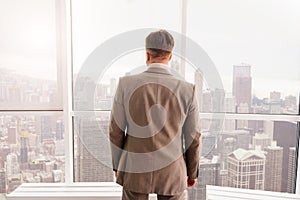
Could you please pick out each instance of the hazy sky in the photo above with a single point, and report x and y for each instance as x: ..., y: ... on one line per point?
x: 262, y: 33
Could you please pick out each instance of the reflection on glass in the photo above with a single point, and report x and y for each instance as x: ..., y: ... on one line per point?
x: 32, y: 150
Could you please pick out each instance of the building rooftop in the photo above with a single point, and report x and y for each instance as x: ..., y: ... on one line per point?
x: 242, y: 154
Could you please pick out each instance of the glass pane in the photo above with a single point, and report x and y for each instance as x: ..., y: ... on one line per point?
x: 28, y: 60
x: 95, y: 22
x: 32, y: 150
x: 252, y: 154
x: 92, y: 160
x: 255, y: 50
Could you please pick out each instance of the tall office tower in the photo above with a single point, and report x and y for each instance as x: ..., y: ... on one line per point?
x: 12, y: 165
x: 208, y: 175
x: 273, y: 174
x: 291, y: 186
x: 262, y: 140
x: 286, y: 135
x: 24, y: 152
x: 59, y: 130
x: 2, y: 181
x: 177, y: 66
x: 242, y: 108
x: 246, y: 169
x: 93, y: 160
x: 206, y: 102
x: 290, y: 103
x: 208, y: 144
x: 12, y: 135
x: 112, y: 86
x: 46, y: 129
x: 230, y: 145
x: 223, y: 178
x: 229, y: 107
x: 218, y: 97
x: 4, y: 150
x: 242, y: 139
x: 257, y: 126
x: 275, y: 102
x: 269, y: 128
x: 242, y: 84
x: 199, y: 87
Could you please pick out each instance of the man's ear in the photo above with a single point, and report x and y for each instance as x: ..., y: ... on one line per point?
x: 170, y: 56
x: 147, y: 56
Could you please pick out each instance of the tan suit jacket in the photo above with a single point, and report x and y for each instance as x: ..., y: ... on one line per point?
x: 154, y: 132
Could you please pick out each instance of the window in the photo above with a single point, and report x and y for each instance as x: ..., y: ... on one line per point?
x: 249, y: 123
x: 32, y: 147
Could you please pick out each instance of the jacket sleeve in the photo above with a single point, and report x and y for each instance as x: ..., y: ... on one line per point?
x: 192, y: 138
x: 117, y: 127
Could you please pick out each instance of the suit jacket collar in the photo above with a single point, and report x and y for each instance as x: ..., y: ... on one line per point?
x: 158, y: 68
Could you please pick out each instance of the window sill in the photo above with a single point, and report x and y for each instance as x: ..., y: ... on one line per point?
x: 226, y: 193
x: 74, y: 191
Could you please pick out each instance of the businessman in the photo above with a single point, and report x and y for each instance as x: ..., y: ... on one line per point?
x: 154, y: 128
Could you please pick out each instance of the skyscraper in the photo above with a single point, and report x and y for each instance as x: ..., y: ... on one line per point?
x: 262, y: 140
x: 2, y: 181
x: 285, y: 133
x: 59, y: 130
x: 12, y: 135
x: 229, y: 147
x: 199, y: 87
x: 273, y: 174
x: 291, y: 186
x: 242, y: 84
x: 246, y: 169
x: 46, y: 130
x: 92, y: 153
x: 12, y: 165
x: 208, y: 175
x: 24, y: 151
x: 218, y: 96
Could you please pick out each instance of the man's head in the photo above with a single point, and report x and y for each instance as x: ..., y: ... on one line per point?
x: 159, y: 46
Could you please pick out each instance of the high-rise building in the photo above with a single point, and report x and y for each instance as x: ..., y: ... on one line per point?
x: 208, y: 175
x: 206, y: 102
x: 46, y: 129
x: 112, y: 86
x: 242, y: 139
x: 178, y: 67
x: 286, y: 135
x: 12, y: 135
x: 291, y: 186
x: 246, y: 169
x: 59, y: 130
x: 24, y: 151
x: 12, y: 165
x: 275, y: 102
x: 218, y: 96
x: 208, y: 144
x: 273, y: 174
x: 2, y: 181
x: 199, y: 87
x: 262, y: 140
x: 92, y: 154
x: 242, y: 84
x: 230, y: 145
x: 290, y: 103
x: 242, y: 108
x: 4, y: 151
